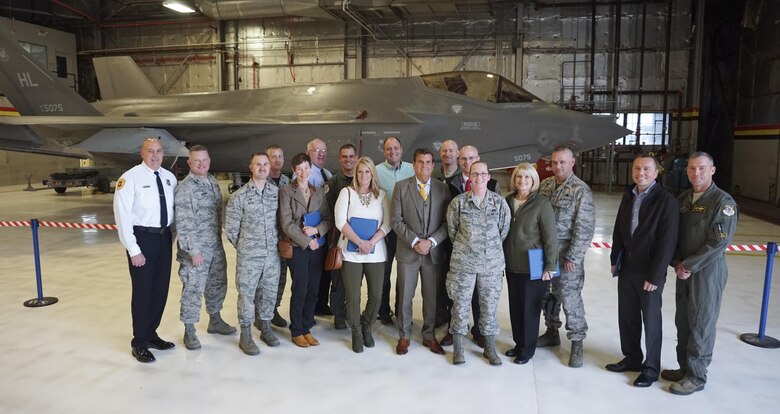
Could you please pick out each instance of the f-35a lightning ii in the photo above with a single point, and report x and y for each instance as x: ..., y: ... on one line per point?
x: 504, y: 121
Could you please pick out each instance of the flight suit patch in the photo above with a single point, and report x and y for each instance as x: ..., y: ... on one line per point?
x: 728, y: 210
x: 699, y: 209
x: 120, y: 184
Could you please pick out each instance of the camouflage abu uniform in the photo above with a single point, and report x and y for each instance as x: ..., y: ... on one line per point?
x: 251, y: 227
x: 477, y: 233
x: 575, y: 217
x: 198, y: 214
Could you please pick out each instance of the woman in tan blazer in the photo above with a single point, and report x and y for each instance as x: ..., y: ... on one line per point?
x: 309, y: 246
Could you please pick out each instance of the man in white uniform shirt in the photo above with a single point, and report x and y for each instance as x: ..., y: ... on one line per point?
x: 143, y: 211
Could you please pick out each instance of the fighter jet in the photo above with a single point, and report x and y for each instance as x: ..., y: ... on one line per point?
x: 505, y: 122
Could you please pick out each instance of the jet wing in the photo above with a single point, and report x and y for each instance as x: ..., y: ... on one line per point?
x: 178, y: 121
x: 80, y: 122
x: 24, y: 139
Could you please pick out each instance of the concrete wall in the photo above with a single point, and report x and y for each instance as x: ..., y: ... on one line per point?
x: 285, y: 51
x: 16, y: 166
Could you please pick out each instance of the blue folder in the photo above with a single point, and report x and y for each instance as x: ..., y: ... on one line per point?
x: 364, y: 228
x: 618, y: 264
x: 536, y: 262
x: 312, y: 220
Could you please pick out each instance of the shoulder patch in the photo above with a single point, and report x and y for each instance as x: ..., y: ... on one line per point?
x: 120, y: 183
x: 728, y: 210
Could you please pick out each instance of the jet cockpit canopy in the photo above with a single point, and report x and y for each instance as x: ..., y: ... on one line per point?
x: 484, y: 86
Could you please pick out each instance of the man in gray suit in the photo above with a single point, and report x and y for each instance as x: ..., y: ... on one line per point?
x: 418, y: 211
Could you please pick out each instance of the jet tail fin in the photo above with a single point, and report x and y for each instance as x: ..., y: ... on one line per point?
x: 120, y: 77
x: 32, y: 89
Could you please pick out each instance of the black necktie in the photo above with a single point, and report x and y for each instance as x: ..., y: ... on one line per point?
x: 324, y: 176
x: 163, y: 204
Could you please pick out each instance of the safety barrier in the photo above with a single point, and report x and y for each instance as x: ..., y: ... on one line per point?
x: 59, y: 224
x: 760, y: 339
x: 40, y: 300
x: 754, y: 339
x: 95, y: 226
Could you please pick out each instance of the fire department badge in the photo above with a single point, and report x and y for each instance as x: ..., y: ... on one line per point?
x: 120, y: 184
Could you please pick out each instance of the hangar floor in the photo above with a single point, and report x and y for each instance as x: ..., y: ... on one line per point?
x: 74, y: 356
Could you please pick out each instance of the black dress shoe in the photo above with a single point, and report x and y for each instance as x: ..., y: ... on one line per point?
x: 520, y: 361
x: 142, y: 354
x: 386, y: 319
x: 624, y: 365
x: 644, y: 381
x: 512, y: 352
x: 160, y: 344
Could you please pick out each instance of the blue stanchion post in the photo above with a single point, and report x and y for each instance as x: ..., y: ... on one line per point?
x: 760, y: 339
x: 40, y: 300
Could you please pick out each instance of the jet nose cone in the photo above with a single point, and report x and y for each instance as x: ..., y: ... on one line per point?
x: 593, y: 131
x: 552, y: 126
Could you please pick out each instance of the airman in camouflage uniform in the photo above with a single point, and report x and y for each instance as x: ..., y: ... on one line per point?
x: 478, y: 223
x: 202, y: 269
x: 251, y: 227
x: 276, y: 154
x: 575, y: 217
x: 708, y: 219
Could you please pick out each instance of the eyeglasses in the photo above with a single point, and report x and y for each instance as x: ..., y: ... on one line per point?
x: 479, y: 174
x: 468, y: 158
x: 319, y: 151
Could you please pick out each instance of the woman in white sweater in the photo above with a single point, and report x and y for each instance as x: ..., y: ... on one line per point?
x: 362, y: 213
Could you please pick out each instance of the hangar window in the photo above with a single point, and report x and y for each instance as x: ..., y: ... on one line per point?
x: 37, y: 52
x: 480, y: 85
x: 650, y: 125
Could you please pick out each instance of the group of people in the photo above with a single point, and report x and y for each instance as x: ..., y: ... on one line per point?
x: 447, y: 227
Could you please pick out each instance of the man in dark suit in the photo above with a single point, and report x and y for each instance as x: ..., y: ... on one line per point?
x: 643, y: 244
x: 418, y: 211
x: 459, y: 184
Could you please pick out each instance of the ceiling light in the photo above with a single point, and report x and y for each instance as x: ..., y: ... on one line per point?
x: 179, y: 6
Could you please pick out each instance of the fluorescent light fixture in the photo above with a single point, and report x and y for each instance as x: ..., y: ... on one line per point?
x: 178, y: 6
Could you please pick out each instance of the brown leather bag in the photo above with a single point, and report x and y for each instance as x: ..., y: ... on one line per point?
x: 285, y: 248
x: 333, y: 259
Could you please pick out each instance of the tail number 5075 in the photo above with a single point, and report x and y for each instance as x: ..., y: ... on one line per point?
x: 55, y: 107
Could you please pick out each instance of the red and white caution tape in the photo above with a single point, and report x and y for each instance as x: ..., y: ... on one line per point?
x: 747, y: 248
x: 731, y: 248
x: 60, y: 224
x: 97, y: 226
